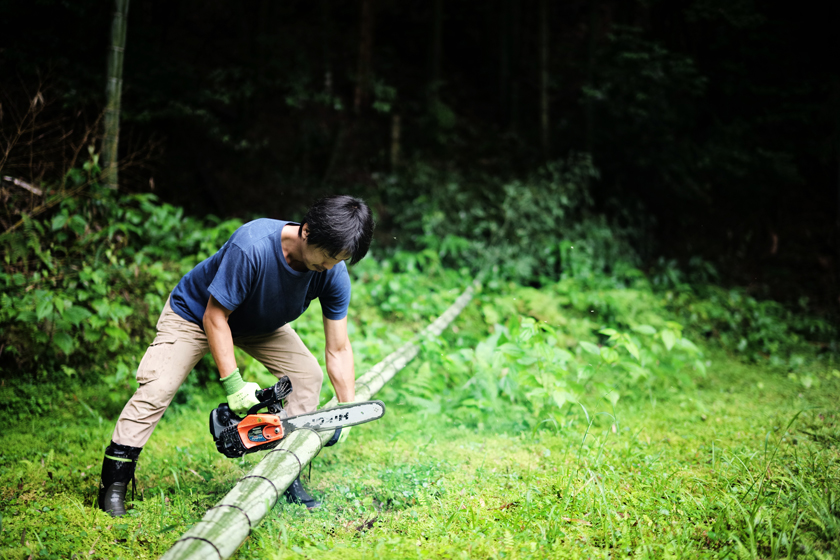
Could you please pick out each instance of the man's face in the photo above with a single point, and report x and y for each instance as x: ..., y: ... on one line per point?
x: 318, y: 260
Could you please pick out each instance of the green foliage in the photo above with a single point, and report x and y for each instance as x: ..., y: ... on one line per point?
x: 615, y: 437
x: 82, y: 284
x: 719, y: 471
x: 755, y: 329
x: 525, y: 368
x: 644, y: 95
x: 523, y: 229
x: 384, y: 96
x: 642, y: 83
x: 552, y: 356
x: 587, y: 337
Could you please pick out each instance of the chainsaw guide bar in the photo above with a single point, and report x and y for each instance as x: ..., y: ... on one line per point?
x: 235, y: 436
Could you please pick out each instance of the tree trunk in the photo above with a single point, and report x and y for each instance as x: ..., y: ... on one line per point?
x: 544, y: 138
x: 363, y: 75
x: 436, y: 50
x: 395, y: 141
x: 514, y: 28
x: 113, y: 93
x: 504, y: 61
x: 590, y: 77
x: 837, y: 155
x: 837, y: 222
x: 326, y: 30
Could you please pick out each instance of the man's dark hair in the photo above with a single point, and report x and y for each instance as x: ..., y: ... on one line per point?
x: 339, y: 224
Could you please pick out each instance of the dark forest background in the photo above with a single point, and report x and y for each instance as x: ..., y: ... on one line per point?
x: 712, y: 125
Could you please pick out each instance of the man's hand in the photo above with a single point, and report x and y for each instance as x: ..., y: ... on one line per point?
x: 240, y: 395
x: 345, y: 431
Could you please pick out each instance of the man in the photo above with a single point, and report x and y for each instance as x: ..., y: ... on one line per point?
x: 246, y: 295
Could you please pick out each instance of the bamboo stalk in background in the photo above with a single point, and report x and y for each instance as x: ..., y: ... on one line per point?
x: 544, y: 78
x: 227, y: 524
x: 436, y: 51
x: 113, y: 94
x: 395, y: 141
x: 365, y: 68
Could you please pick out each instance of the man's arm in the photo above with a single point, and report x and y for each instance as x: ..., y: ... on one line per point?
x: 240, y: 395
x: 339, y: 358
x: 219, y: 337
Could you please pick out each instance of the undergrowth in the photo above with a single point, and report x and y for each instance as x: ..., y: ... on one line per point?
x: 592, y: 410
x: 542, y: 443
x: 737, y: 466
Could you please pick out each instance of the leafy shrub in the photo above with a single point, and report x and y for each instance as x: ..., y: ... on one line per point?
x: 547, y: 351
x: 645, y: 96
x: 82, y: 284
x: 753, y: 328
x: 524, y: 229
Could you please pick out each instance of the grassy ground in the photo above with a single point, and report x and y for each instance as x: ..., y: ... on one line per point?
x: 746, y: 465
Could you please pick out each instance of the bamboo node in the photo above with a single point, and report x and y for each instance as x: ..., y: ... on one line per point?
x: 266, y: 479
x: 242, y: 511
x: 191, y: 538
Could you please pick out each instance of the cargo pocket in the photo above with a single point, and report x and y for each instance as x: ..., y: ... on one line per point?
x: 158, y: 355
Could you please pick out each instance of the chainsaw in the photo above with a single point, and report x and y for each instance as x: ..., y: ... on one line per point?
x: 235, y: 436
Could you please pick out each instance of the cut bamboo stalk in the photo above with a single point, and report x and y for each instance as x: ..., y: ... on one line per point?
x: 227, y: 524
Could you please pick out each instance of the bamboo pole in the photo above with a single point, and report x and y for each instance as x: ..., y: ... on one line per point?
x: 227, y: 524
x: 113, y: 93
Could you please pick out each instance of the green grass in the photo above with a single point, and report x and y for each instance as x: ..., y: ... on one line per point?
x: 744, y: 465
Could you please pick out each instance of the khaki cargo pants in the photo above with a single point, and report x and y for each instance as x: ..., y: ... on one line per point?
x: 178, y: 347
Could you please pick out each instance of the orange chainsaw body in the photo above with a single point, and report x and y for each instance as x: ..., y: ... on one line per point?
x: 259, y: 429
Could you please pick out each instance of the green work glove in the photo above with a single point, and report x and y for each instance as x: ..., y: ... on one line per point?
x: 240, y: 395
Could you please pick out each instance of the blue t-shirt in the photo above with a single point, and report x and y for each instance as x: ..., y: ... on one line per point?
x: 249, y: 275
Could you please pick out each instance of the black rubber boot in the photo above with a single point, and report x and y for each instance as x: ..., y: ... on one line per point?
x: 117, y: 471
x: 297, y: 494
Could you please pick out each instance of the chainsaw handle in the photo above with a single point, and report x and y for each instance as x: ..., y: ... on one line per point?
x: 272, y: 395
x: 278, y: 391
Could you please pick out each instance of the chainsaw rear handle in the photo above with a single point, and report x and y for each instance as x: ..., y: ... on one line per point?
x: 273, y: 395
x: 264, y: 394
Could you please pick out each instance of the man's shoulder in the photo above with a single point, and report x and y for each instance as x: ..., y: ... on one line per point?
x: 338, y: 273
x: 335, y: 280
x: 257, y: 234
